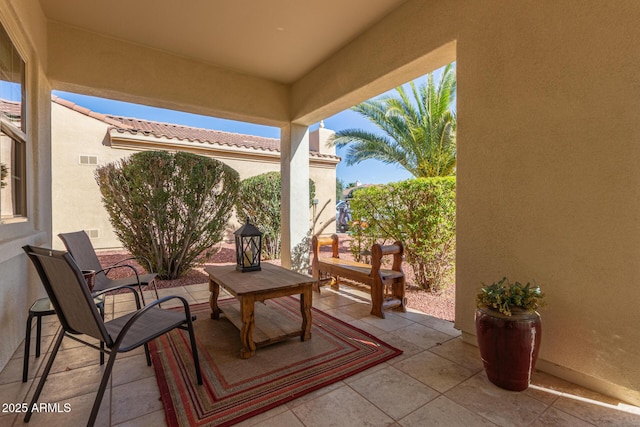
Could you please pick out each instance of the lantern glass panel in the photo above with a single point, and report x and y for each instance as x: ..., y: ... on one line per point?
x: 248, y: 248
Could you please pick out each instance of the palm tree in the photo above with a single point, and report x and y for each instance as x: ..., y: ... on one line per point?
x: 418, y: 132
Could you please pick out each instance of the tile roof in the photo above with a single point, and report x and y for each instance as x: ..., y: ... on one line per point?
x: 11, y: 109
x: 135, y: 126
x: 191, y: 134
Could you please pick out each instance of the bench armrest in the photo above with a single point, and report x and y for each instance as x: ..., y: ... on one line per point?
x: 378, y: 251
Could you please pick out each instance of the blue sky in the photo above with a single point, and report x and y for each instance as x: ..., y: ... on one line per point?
x: 367, y: 172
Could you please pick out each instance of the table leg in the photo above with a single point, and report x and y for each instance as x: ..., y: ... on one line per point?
x: 214, y: 288
x: 248, y: 322
x: 305, y: 310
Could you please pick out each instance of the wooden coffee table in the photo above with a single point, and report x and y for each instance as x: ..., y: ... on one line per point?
x: 257, y: 286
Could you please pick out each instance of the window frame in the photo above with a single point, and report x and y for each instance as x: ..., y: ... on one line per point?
x: 19, y: 137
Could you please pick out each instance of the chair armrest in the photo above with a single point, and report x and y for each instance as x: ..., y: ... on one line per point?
x: 106, y: 270
x: 128, y: 287
x: 136, y: 258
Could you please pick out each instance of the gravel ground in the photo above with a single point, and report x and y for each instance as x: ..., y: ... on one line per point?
x: 440, y: 305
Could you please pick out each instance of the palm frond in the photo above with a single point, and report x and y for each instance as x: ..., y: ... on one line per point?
x: 417, y: 128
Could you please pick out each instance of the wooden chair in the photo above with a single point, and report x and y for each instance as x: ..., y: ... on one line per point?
x: 78, y: 314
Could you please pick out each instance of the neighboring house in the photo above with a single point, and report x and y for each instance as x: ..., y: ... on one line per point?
x: 82, y: 140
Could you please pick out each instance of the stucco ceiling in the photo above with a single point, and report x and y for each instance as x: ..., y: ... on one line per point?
x: 280, y: 40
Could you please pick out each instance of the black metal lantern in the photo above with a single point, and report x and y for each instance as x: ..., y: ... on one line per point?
x: 248, y: 247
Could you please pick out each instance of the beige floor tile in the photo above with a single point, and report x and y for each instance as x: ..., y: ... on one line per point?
x: 134, y: 400
x: 129, y: 369
x: 204, y: 286
x: 434, y: 371
x: 315, y: 394
x: 12, y: 372
x: 461, y: 353
x: 422, y: 336
x: 68, y: 384
x: 121, y: 297
x: 371, y: 371
x: 597, y: 412
x: 339, y: 314
x: 125, y: 307
x: 394, y: 392
x: 553, y: 417
x: 74, y: 358
x: 367, y: 327
x: 408, y: 348
x: 200, y: 296
x: 505, y: 408
x: 155, y: 419
x: 271, y: 418
x: 173, y: 291
x: 78, y: 414
x: 357, y: 310
x: 444, y: 412
x: 341, y: 407
x: 440, y: 325
x: 10, y: 419
x: 15, y: 392
x: 287, y: 419
x: 331, y: 300
x: 391, y: 322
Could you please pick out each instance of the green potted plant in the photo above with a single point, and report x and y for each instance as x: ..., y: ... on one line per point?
x: 509, y: 331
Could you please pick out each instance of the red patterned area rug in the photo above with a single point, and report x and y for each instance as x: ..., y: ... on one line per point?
x: 235, y: 389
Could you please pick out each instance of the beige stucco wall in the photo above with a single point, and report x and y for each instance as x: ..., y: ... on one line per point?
x: 548, y: 106
x: 77, y: 203
x: 548, y: 179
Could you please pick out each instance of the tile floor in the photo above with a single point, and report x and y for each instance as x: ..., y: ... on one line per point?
x: 438, y: 380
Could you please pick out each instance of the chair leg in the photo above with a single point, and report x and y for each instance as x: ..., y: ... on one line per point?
x: 141, y: 294
x: 27, y: 348
x: 38, y: 334
x: 44, y: 376
x: 101, y: 389
x: 155, y: 288
x: 101, y: 310
x: 194, y: 349
x: 147, y: 354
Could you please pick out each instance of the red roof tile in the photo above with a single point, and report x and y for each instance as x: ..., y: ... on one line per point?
x: 135, y: 126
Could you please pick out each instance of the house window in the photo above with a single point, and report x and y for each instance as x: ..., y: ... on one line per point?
x: 13, y: 140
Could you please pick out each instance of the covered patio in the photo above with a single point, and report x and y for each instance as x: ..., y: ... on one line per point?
x: 438, y: 380
x: 547, y: 176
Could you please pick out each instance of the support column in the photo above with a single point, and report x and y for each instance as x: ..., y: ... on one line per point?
x: 294, y: 169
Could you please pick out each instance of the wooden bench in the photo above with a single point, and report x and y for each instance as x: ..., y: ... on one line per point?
x: 387, y: 286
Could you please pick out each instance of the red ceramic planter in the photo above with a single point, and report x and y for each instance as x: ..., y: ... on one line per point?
x: 509, y: 346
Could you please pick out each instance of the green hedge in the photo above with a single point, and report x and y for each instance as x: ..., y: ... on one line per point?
x: 260, y: 199
x: 169, y: 208
x: 418, y: 212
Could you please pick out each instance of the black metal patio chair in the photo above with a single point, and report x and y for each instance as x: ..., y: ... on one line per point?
x: 79, y: 246
x: 78, y: 314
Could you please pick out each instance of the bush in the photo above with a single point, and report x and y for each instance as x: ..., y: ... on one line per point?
x: 418, y: 212
x: 260, y: 200
x: 169, y: 208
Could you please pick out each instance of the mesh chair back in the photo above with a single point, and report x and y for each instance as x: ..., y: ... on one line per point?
x: 68, y: 292
x: 79, y: 246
